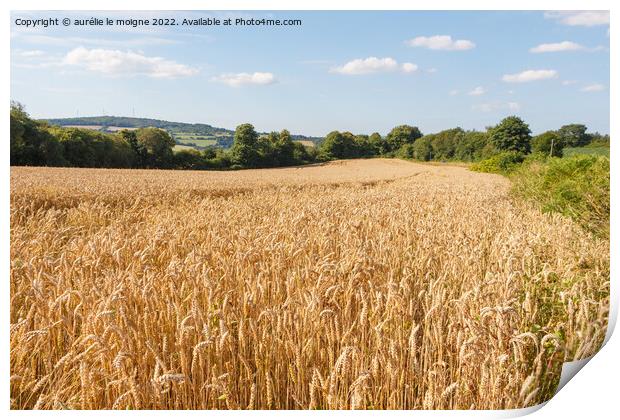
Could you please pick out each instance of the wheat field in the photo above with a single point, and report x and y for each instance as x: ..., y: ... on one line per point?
x: 371, y: 284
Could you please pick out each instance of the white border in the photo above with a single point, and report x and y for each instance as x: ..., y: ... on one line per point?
x: 592, y: 394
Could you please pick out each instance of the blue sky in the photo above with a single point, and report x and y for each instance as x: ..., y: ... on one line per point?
x: 355, y: 71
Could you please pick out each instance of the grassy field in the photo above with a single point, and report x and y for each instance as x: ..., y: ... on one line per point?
x: 597, y: 151
x: 307, y: 143
x: 179, y: 147
x: 199, y: 140
x: 355, y: 284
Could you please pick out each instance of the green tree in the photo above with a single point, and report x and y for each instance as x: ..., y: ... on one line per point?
x: 283, y: 148
x: 548, y: 143
x: 30, y: 141
x: 445, y: 142
x: 158, y: 145
x: 378, y: 143
x: 189, y: 159
x: 471, y: 146
x: 573, y: 135
x: 363, y: 146
x: 338, y: 145
x: 400, y: 135
x: 423, y: 148
x: 139, y: 150
x: 512, y: 133
x: 244, y: 151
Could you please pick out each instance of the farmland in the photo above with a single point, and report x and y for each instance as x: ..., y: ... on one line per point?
x: 596, y: 151
x: 195, y: 136
x: 352, y: 284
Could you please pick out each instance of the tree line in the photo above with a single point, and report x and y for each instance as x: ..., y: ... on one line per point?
x: 37, y: 143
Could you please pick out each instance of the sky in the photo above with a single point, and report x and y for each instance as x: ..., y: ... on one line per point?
x: 352, y: 71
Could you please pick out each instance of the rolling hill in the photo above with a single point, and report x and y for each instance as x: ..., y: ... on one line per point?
x: 195, y: 135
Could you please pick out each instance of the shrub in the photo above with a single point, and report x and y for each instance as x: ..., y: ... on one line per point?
x: 500, y: 163
x: 577, y: 187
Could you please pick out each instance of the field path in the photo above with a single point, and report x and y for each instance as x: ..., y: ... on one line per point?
x: 83, y: 180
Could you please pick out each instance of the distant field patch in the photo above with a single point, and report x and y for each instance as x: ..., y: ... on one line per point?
x: 596, y: 151
x: 85, y: 127
x: 197, y: 142
x: 116, y: 128
x: 180, y: 147
x: 307, y: 143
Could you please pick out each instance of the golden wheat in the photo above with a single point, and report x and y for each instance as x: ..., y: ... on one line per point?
x: 358, y: 284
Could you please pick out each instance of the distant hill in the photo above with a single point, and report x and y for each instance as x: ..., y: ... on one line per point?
x: 197, y: 135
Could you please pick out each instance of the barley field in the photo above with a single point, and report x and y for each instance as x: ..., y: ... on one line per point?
x: 370, y: 284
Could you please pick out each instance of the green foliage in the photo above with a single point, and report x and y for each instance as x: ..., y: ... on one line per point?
x: 573, y: 135
x: 31, y: 143
x: 158, y: 145
x: 598, y: 140
x: 338, y: 145
x: 244, y: 151
x: 500, y: 150
x: 473, y: 146
x: 549, y: 143
x: 400, y: 135
x: 444, y: 143
x: 577, y: 187
x: 587, y: 150
x: 198, y: 135
x: 379, y: 144
x: 422, y: 149
x: 501, y: 163
x: 189, y: 159
x: 511, y: 134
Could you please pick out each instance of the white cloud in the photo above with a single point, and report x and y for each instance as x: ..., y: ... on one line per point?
x: 441, y: 42
x: 126, y: 63
x: 477, y: 91
x: 580, y: 18
x: 241, y: 79
x: 530, y: 76
x: 373, y: 65
x: 431, y: 70
x: 453, y: 92
x: 557, y: 47
x: 568, y: 82
x: 595, y: 87
x: 409, y: 67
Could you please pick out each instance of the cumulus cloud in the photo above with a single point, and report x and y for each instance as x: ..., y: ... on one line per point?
x: 373, y: 65
x: 557, y: 47
x: 241, y: 79
x: 595, y: 87
x: 580, y: 18
x: 441, y: 42
x: 477, y: 91
x: 530, y: 76
x: 126, y: 63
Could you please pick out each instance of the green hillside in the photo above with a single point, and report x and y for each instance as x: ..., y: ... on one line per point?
x: 196, y: 135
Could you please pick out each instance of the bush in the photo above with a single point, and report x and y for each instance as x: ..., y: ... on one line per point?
x: 577, y: 187
x: 407, y: 151
x: 501, y: 163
